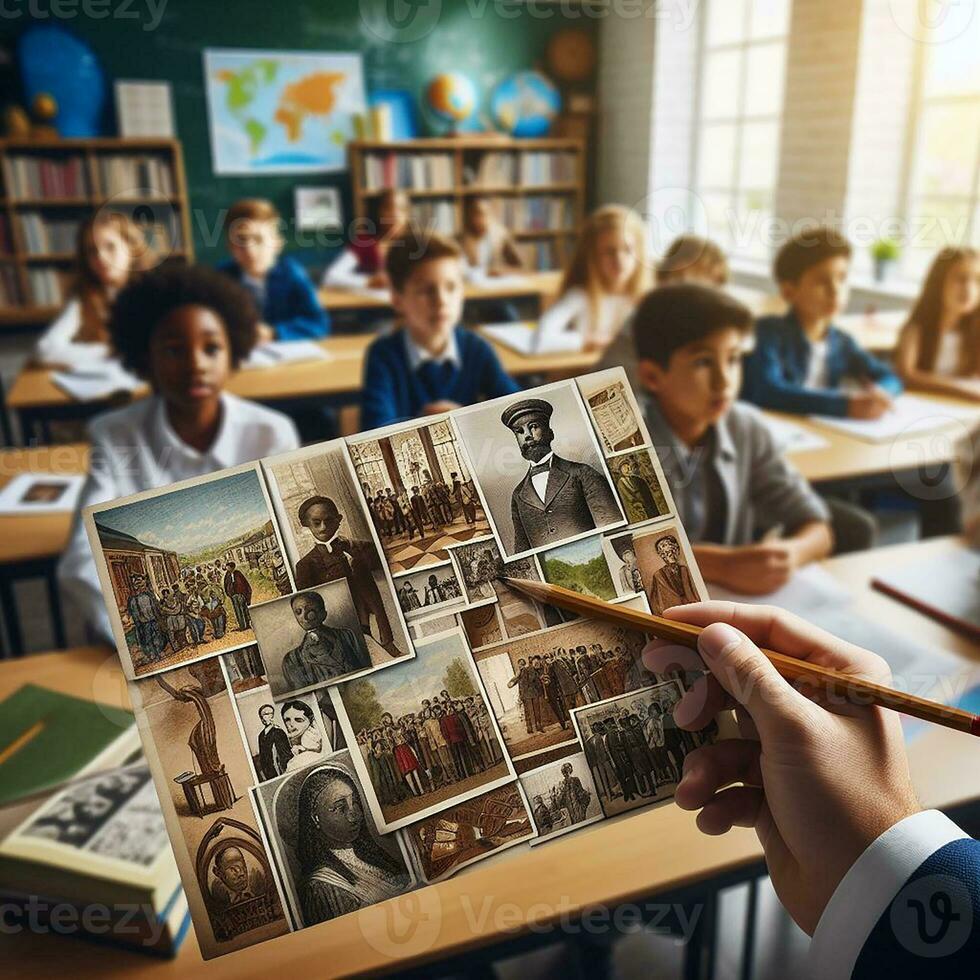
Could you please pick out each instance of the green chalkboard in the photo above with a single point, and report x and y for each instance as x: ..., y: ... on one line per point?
x: 164, y: 39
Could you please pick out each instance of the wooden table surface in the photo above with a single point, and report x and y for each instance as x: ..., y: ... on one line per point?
x: 542, y: 284
x: 844, y: 456
x: 28, y: 537
x: 629, y: 859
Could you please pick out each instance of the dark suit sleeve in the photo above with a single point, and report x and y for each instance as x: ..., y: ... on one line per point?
x: 302, y: 317
x: 599, y: 497
x: 521, y: 542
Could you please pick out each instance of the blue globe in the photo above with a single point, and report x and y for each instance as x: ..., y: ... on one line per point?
x: 525, y: 104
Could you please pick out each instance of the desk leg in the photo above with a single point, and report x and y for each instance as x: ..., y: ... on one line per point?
x: 699, y: 953
x: 54, y: 604
x: 751, y: 915
x: 11, y: 617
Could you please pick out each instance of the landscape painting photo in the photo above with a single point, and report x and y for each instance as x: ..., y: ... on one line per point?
x: 184, y: 564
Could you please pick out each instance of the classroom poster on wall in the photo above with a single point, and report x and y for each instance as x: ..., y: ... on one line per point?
x: 276, y: 112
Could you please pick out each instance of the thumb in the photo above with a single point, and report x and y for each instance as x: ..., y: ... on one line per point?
x: 750, y: 678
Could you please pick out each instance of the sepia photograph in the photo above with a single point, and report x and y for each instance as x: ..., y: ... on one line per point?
x: 664, y: 569
x: 638, y: 486
x: 245, y: 669
x: 539, y: 467
x: 420, y: 493
x: 421, y: 735
x: 313, y: 638
x: 634, y: 750
x: 183, y: 566
x: 328, y: 535
x: 423, y: 629
x: 329, y: 857
x: 429, y: 592
x: 202, y: 772
x: 563, y: 797
x: 581, y: 567
x: 282, y: 736
x: 466, y: 833
x: 614, y: 411
x: 620, y: 555
x: 534, y: 682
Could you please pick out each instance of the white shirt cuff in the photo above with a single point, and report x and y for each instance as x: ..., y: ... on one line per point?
x: 869, y: 886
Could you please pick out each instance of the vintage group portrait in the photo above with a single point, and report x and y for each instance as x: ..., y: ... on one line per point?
x: 563, y: 797
x: 434, y: 590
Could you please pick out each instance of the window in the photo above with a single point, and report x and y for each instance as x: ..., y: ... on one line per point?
x: 743, y: 61
x: 944, y: 181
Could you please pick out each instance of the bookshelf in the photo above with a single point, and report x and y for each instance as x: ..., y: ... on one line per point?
x: 47, y: 188
x: 536, y: 187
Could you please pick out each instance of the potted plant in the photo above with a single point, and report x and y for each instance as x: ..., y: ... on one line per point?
x: 885, y: 253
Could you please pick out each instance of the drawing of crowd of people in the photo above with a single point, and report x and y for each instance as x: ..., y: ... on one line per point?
x: 191, y: 611
x: 427, y: 507
x: 435, y: 591
x: 447, y: 741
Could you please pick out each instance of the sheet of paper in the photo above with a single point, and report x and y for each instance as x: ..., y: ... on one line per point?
x: 519, y: 337
x: 477, y: 277
x: 793, y: 438
x: 910, y: 414
x: 808, y: 590
x: 95, y: 381
x: 278, y: 352
x: 40, y: 493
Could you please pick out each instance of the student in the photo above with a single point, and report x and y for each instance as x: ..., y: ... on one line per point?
x: 488, y: 246
x: 110, y: 250
x: 939, y: 348
x: 691, y: 258
x: 282, y: 290
x: 885, y: 888
x: 184, y: 329
x: 432, y: 364
x: 605, y: 280
x: 729, y: 480
x: 362, y: 264
x: 801, y: 360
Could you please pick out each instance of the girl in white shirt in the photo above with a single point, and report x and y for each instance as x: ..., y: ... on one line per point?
x: 184, y: 329
x: 110, y: 250
x: 939, y: 347
x: 608, y: 275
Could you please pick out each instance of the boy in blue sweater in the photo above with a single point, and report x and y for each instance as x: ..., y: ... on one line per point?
x: 280, y: 286
x: 432, y: 364
x: 801, y: 359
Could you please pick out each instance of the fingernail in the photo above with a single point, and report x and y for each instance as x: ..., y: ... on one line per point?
x: 718, y: 640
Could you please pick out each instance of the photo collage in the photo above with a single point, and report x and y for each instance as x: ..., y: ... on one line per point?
x: 342, y: 694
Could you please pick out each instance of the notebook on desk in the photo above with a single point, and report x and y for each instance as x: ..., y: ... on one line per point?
x: 946, y: 588
x: 525, y: 338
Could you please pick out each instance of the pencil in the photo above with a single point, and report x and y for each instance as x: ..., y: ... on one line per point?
x: 833, y: 682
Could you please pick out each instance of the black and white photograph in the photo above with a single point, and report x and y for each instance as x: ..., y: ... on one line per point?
x: 328, y: 535
x: 422, y: 735
x: 634, y: 749
x: 614, y: 410
x: 534, y: 682
x: 420, y: 492
x: 469, y: 832
x: 313, y: 638
x: 638, y: 485
x: 539, y: 467
x: 282, y: 736
x: 245, y: 669
x: 665, y: 569
x: 563, y: 797
x: 328, y: 856
x: 432, y: 591
x: 620, y: 555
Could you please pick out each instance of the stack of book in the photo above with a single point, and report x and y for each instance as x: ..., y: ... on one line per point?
x: 547, y: 168
x: 45, y: 287
x: 436, y: 215
x: 52, y: 235
x: 41, y: 177
x: 83, y: 844
x: 136, y: 176
x: 9, y: 287
x: 412, y: 171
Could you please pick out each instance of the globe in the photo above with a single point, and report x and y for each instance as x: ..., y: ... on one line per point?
x: 525, y: 104
x: 451, y: 97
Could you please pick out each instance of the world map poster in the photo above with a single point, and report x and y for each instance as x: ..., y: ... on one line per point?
x: 281, y: 111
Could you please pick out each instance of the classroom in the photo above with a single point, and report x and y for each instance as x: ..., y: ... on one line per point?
x: 379, y: 378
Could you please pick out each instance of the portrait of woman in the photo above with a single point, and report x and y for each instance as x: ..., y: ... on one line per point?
x: 305, y: 740
x: 343, y: 866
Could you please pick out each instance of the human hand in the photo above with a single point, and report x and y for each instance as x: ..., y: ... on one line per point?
x: 820, y: 780
x: 755, y: 569
x: 869, y: 403
x: 379, y: 280
x: 265, y: 334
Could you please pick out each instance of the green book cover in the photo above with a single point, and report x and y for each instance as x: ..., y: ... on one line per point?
x: 47, y: 738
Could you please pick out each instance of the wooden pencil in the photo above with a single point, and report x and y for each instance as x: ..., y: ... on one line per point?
x: 832, y: 682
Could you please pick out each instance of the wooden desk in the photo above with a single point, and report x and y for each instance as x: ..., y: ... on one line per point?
x: 543, y: 285
x: 31, y: 545
x: 650, y: 853
x: 844, y: 456
x: 38, y: 401
x: 877, y: 332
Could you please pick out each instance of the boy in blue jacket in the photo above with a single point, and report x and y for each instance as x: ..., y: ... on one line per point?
x: 280, y: 286
x: 431, y: 364
x: 801, y: 360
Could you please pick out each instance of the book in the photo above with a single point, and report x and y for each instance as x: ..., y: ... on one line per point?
x: 41, y: 493
x: 47, y: 737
